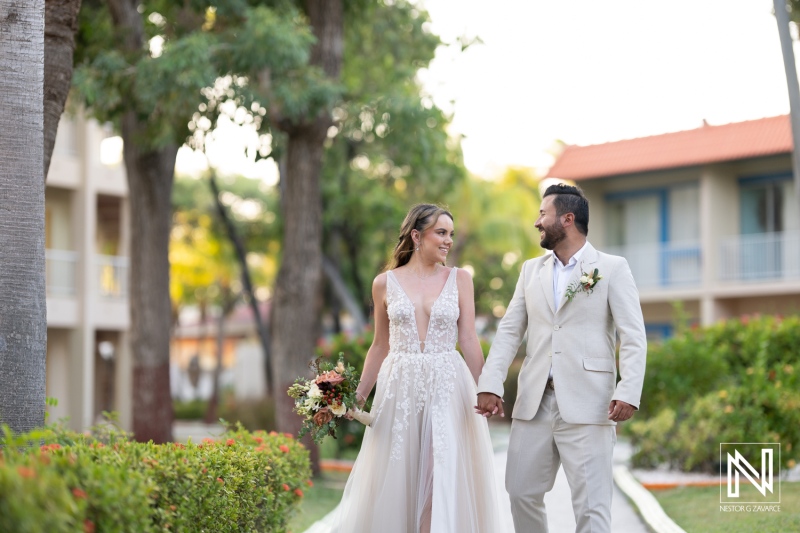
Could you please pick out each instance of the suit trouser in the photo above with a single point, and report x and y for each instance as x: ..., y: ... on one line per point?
x: 536, y: 449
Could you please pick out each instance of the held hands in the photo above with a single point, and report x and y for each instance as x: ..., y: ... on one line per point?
x: 619, y: 411
x: 489, y: 404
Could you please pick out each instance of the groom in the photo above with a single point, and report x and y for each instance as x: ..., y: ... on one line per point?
x: 572, y: 303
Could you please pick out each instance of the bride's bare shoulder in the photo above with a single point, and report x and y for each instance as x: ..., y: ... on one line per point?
x: 379, y: 282
x: 464, y: 276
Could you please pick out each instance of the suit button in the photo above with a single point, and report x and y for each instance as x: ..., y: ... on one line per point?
x: 556, y: 327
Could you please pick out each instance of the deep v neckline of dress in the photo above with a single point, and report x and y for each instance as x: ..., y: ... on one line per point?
x: 423, y: 345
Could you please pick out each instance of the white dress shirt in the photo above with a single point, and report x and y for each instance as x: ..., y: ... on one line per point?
x: 561, y: 274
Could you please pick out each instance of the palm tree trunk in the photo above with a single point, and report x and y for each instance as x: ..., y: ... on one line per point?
x: 790, y: 67
x: 23, y: 307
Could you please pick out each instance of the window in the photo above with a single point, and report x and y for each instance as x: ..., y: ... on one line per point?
x: 767, y: 247
x: 656, y: 230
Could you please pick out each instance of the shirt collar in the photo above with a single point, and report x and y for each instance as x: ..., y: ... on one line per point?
x: 572, y: 260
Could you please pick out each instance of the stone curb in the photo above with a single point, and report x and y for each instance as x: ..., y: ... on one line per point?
x: 651, y: 511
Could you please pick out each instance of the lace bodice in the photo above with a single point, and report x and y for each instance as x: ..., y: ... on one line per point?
x: 442, y: 331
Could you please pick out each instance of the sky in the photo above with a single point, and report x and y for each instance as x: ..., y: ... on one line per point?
x: 582, y: 72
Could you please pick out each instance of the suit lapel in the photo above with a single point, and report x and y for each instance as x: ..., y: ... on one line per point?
x: 586, y: 263
x: 546, y: 277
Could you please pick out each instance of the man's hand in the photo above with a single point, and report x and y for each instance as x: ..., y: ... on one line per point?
x: 489, y: 404
x: 619, y: 411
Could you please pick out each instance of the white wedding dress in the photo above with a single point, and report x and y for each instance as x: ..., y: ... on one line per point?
x: 426, y: 451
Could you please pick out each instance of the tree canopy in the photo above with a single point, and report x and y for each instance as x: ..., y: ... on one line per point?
x: 201, y: 254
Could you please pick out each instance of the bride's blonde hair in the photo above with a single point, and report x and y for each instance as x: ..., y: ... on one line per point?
x: 420, y: 218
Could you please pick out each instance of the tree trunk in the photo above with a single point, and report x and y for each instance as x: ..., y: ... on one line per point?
x: 60, y: 25
x: 342, y: 293
x: 23, y: 306
x: 296, y: 302
x: 228, y: 305
x: 241, y: 255
x: 295, y: 315
x: 150, y: 177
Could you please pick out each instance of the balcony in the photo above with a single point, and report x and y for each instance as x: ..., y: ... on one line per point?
x: 112, y: 277
x: 663, y: 265
x: 65, y: 299
x: 60, y: 272
x: 760, y: 257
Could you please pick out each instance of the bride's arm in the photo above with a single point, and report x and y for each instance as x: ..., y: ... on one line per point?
x: 467, y: 336
x: 380, y: 344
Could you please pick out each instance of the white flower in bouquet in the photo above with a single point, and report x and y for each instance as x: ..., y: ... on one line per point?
x: 340, y: 367
x: 314, y: 392
x: 310, y: 405
x: 338, y: 409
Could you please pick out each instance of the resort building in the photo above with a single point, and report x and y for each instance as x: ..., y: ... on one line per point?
x: 707, y: 217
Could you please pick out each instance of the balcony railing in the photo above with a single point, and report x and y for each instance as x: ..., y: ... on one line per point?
x: 112, y: 276
x: 662, y: 264
x: 60, y: 272
x: 760, y: 257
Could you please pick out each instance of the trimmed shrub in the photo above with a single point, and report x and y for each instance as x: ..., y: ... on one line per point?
x: 76, y: 483
x: 189, y: 410
x: 736, y: 381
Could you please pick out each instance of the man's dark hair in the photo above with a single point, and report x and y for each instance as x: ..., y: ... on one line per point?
x: 570, y: 199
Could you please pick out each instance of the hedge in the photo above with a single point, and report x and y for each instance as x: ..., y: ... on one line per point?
x: 57, y: 481
x: 735, y: 381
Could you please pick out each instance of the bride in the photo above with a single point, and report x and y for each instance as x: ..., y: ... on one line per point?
x: 426, y: 460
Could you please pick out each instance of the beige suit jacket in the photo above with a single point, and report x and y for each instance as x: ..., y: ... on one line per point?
x: 579, y: 341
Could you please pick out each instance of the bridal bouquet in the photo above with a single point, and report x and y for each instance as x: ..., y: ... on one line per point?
x: 325, y: 400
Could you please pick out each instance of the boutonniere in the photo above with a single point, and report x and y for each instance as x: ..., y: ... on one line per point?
x: 585, y: 284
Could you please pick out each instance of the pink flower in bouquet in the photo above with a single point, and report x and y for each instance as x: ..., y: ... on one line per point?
x: 331, y: 376
x: 323, y: 416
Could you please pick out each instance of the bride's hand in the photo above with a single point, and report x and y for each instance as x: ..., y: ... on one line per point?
x: 359, y: 415
x: 360, y: 400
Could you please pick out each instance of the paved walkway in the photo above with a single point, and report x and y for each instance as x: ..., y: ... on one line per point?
x: 560, y: 517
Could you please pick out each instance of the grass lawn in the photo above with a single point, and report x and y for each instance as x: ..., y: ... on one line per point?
x: 697, y: 510
x: 319, y: 500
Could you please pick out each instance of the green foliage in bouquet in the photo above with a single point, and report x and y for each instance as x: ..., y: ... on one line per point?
x: 324, y: 400
x: 735, y: 381
x: 350, y: 432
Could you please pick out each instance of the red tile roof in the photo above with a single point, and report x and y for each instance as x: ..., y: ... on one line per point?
x: 708, y: 144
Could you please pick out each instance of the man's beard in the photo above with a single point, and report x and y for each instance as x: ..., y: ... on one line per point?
x: 553, y: 235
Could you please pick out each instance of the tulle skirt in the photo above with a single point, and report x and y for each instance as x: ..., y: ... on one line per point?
x: 426, y: 457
